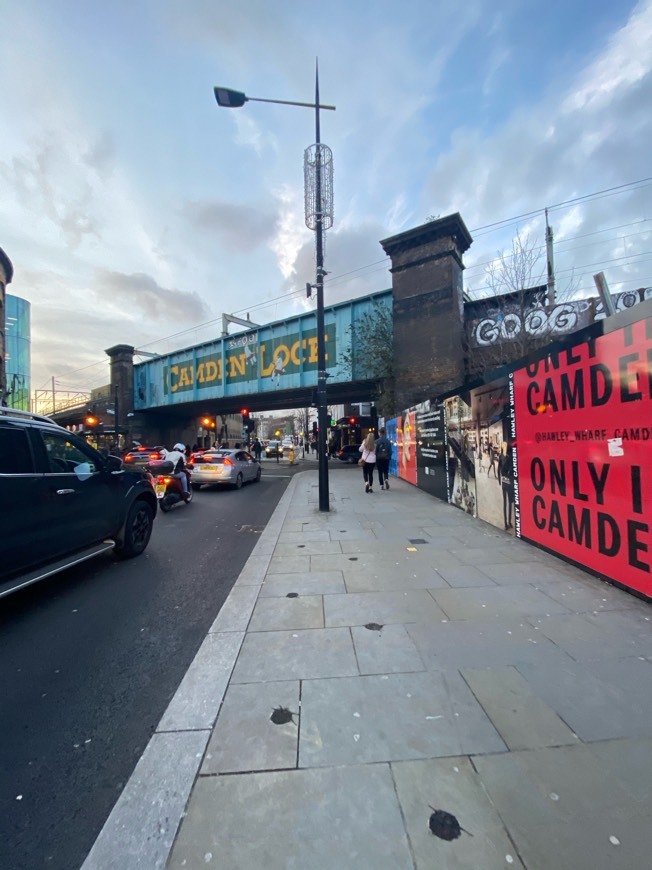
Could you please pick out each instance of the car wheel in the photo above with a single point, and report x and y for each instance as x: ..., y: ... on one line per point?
x: 258, y: 475
x: 196, y: 486
x: 137, y: 530
x: 238, y: 481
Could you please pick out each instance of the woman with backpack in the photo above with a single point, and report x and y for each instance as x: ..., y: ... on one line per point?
x: 368, y: 460
x: 383, y: 456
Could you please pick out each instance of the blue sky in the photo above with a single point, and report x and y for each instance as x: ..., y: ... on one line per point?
x: 134, y: 209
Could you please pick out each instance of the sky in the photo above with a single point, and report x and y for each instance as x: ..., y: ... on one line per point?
x: 137, y: 211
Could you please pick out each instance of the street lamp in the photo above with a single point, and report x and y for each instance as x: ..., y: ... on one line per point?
x: 318, y: 194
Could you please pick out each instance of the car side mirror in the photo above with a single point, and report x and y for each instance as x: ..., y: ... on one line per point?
x: 113, y: 463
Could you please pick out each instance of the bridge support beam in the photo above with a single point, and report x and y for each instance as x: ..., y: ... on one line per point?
x: 428, y: 308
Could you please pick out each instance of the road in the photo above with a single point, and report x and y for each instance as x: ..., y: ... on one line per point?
x: 90, y: 659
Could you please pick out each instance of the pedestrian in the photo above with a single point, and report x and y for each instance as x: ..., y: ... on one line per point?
x: 492, y: 460
x: 383, y: 456
x: 258, y: 449
x: 368, y: 460
x: 506, y: 478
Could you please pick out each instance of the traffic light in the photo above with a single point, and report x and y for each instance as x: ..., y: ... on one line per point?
x: 91, y: 420
x: 352, y: 421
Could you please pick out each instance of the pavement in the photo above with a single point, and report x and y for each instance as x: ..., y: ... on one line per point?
x: 384, y: 660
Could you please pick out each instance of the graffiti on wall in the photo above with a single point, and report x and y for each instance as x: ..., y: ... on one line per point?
x: 505, y: 323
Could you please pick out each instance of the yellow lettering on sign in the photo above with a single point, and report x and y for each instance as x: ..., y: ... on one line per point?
x: 265, y: 370
x: 174, y: 371
x: 312, y: 348
x: 237, y: 364
x: 185, y: 379
x: 294, y: 353
x: 213, y: 370
x: 200, y: 373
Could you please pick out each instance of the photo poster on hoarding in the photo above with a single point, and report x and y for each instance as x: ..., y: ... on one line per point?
x: 391, y: 431
x: 489, y: 433
x: 461, y: 453
x: 582, y: 421
x: 431, y: 449
x: 407, y: 447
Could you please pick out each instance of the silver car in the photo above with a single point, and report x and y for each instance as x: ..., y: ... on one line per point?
x: 225, y: 467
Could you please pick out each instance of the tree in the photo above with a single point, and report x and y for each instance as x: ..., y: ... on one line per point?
x: 515, y: 314
x: 370, y: 354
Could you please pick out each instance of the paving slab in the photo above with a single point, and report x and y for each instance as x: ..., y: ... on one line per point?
x: 236, y: 610
x: 391, y: 718
x: 594, y: 707
x: 494, y: 601
x: 460, y: 576
x: 245, y: 738
x: 451, y: 784
x: 289, y: 564
x: 521, y: 718
x: 313, y: 583
x: 302, y: 537
x: 308, y: 548
x: 485, y: 643
x: 326, y: 819
x: 290, y: 655
x: 391, y: 579
x: 277, y: 614
x: 389, y: 650
x: 588, y: 596
x: 561, y: 809
x: 359, y: 608
x: 506, y: 573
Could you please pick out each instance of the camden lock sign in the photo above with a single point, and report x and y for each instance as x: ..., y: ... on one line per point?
x: 247, y: 358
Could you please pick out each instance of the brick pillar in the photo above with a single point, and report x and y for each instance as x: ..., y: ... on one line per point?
x: 428, y: 308
x: 122, y: 383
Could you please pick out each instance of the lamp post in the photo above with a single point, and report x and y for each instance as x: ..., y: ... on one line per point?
x: 318, y: 193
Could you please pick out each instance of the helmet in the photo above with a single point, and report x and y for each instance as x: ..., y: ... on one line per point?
x: 180, y: 447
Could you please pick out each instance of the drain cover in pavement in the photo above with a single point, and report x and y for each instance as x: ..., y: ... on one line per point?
x: 292, y: 595
x: 417, y: 540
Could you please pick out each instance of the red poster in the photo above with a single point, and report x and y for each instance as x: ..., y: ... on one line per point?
x: 582, y: 432
x: 407, y: 447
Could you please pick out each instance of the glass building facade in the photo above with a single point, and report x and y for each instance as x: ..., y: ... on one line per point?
x: 18, y: 352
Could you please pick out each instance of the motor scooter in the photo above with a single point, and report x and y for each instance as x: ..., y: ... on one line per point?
x: 167, y: 487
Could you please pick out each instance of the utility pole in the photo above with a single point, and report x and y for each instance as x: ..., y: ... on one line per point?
x: 552, y: 295
x: 54, y: 407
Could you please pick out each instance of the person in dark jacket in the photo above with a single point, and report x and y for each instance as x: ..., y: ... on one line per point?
x: 383, y: 457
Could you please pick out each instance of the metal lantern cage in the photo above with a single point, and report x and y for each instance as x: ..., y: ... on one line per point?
x: 318, y: 186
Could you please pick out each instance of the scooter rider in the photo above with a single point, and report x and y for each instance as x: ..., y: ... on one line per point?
x: 178, y: 456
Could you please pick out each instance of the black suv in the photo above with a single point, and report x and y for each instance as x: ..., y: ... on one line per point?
x: 63, y: 502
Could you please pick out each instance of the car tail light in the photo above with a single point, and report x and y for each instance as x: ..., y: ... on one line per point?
x: 227, y: 461
x: 129, y: 457
x: 155, y: 456
x: 162, y: 480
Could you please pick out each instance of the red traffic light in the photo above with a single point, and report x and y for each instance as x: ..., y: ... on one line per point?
x: 351, y: 419
x: 244, y: 412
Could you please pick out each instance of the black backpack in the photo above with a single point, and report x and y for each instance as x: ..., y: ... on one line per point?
x: 383, y: 450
